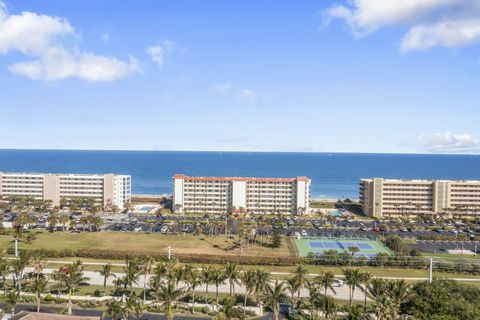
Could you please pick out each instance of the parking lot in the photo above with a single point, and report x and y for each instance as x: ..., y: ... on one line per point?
x: 289, y: 226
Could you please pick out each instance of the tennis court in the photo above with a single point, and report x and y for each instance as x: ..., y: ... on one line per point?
x: 366, y: 247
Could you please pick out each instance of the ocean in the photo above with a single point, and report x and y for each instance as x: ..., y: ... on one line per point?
x: 334, y: 175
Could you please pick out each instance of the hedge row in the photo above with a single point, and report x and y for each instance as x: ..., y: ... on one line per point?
x: 185, y: 258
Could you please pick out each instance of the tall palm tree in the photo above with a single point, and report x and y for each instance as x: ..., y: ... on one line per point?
x: 168, y: 294
x: 132, y: 271
x: 248, y: 280
x: 133, y: 305
x: 207, y: 275
x: 193, y: 280
x: 37, y: 284
x: 106, y: 272
x: 293, y: 285
x: 146, y: 268
x: 218, y: 278
x: 329, y: 306
x: 398, y: 292
x: 11, y: 300
x: 232, y: 272
x: 301, y: 273
x: 71, y: 276
x: 365, y: 278
x: 352, y: 279
x: 4, y: 272
x: 326, y: 281
x: 18, y: 266
x: 274, y: 294
x: 314, y: 298
x: 262, y: 281
x: 114, y: 310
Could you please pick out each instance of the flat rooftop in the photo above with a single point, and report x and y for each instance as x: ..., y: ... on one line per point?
x: 185, y: 177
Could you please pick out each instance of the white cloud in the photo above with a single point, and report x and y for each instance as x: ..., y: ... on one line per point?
x: 248, y: 94
x: 41, y: 38
x: 448, y: 142
x: 447, y: 34
x: 223, y: 87
x: 448, y: 23
x: 158, y: 53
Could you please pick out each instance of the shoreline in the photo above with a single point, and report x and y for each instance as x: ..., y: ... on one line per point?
x: 160, y: 196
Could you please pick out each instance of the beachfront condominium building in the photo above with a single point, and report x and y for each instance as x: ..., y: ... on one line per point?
x: 237, y: 194
x: 396, y: 197
x: 105, y: 189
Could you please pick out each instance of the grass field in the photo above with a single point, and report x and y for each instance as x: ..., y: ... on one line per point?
x: 142, y: 243
x: 367, y: 248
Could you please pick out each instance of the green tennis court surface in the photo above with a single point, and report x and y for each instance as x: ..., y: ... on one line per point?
x: 367, y: 248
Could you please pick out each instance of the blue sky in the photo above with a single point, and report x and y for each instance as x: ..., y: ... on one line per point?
x: 334, y: 76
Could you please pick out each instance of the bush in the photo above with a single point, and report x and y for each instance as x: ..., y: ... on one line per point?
x: 206, y: 310
x: 48, y: 298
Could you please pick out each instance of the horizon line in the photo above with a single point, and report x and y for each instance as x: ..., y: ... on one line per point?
x: 245, y: 151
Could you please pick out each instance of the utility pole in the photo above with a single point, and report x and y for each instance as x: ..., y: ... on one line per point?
x: 169, y: 252
x: 16, y: 247
x: 430, y: 271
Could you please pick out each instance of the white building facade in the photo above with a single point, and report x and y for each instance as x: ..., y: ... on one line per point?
x: 106, y: 189
x: 388, y: 197
x: 238, y: 194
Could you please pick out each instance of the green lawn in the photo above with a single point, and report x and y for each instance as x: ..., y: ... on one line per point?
x: 142, y: 243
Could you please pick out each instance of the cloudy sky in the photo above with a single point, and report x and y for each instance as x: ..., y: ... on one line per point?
x: 272, y: 75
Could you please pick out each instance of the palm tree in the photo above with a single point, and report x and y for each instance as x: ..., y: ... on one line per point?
x: 133, y: 305
x: 71, y: 277
x: 168, y: 294
x: 248, y: 281
x: 365, y: 278
x: 106, y: 272
x: 233, y: 274
x: 314, y: 298
x: 207, y: 275
x: 37, y: 283
x: 11, y: 300
x: 326, y: 281
x: 218, y: 278
x: 274, y: 294
x: 329, y: 306
x: 352, y: 279
x: 398, y: 292
x: 301, y: 273
x: 193, y: 280
x: 114, y: 310
x: 131, y: 270
x: 18, y: 266
x: 4, y: 272
x: 262, y: 281
x: 146, y: 268
x: 63, y: 220
x: 353, y: 250
x: 294, y: 285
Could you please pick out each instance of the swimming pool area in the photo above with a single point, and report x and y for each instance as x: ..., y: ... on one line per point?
x: 335, y: 213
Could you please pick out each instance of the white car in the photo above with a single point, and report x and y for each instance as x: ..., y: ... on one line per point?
x: 137, y: 229
x: 304, y: 233
x: 337, y: 283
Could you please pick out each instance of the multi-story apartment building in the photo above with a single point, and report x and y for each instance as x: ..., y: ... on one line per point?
x: 106, y: 189
x: 380, y: 197
x: 237, y: 194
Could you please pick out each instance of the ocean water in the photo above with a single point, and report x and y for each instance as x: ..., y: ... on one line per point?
x: 334, y: 175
